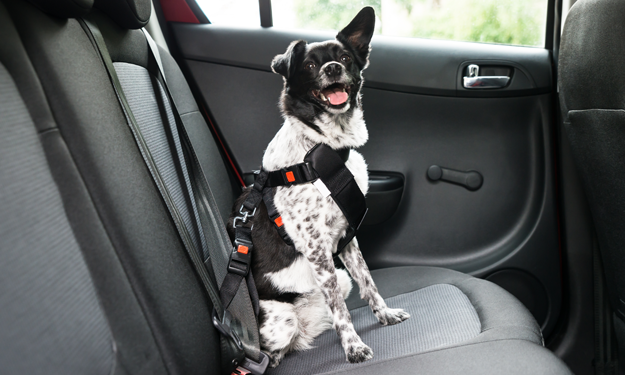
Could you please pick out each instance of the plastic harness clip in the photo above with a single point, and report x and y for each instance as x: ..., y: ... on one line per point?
x: 241, y: 257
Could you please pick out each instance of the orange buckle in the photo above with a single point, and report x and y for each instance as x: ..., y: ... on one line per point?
x: 278, y: 221
x: 240, y: 371
x: 290, y: 177
x: 242, y: 249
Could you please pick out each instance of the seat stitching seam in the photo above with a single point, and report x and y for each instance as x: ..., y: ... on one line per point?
x: 190, y: 112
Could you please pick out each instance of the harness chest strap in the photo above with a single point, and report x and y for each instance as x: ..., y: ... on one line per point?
x: 326, y: 168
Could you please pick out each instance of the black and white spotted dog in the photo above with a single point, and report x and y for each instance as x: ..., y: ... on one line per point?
x: 301, y: 292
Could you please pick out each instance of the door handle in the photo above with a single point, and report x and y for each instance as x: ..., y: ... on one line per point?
x: 475, y: 81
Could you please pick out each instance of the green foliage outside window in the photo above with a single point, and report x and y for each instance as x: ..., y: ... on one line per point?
x: 519, y: 22
x: 330, y: 14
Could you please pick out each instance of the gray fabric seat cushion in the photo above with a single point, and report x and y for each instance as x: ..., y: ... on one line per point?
x: 501, y: 315
x: 441, y: 316
x: 509, y: 357
x: 448, y: 309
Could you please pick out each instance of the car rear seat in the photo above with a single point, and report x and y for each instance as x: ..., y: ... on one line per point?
x: 73, y: 181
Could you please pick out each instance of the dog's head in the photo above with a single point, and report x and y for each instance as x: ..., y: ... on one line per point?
x: 325, y: 78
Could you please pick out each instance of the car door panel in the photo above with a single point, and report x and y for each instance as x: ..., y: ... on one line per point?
x: 418, y: 115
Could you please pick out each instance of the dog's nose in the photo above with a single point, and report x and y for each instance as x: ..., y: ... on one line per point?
x: 333, y: 69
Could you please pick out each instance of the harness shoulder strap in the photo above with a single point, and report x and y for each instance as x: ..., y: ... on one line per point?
x: 332, y: 171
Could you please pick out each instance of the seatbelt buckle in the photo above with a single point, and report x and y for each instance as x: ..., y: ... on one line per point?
x: 256, y: 368
x: 248, y: 366
x: 223, y: 326
x: 241, y: 257
x: 240, y: 371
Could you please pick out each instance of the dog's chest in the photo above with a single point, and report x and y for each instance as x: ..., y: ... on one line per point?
x: 309, y: 216
x: 308, y: 212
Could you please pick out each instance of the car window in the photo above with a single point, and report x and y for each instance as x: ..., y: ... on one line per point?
x: 231, y: 12
x: 488, y: 21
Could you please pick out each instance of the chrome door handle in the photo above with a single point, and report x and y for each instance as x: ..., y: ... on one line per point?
x: 475, y: 81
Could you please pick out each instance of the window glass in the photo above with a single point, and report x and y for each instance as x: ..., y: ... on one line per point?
x: 231, y: 12
x: 519, y: 22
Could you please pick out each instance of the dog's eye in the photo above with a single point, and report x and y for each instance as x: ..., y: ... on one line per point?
x: 310, y: 66
x: 346, y: 58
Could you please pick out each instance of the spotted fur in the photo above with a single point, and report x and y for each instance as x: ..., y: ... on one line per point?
x: 301, y: 292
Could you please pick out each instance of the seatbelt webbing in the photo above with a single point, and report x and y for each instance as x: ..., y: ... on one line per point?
x: 606, y: 356
x: 246, y: 307
x: 232, y: 347
x: 239, y: 266
x: 222, y: 319
x: 194, y: 254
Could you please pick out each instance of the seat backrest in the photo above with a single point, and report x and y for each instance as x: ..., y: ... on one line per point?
x: 592, y: 96
x: 51, y: 319
x: 158, y: 314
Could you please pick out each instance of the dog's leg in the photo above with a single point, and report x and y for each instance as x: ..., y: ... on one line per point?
x: 345, y: 283
x: 313, y: 316
x: 355, y: 264
x: 312, y: 221
x: 278, y: 329
x: 320, y: 258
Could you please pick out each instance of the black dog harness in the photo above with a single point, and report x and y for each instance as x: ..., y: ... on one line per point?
x: 322, y: 166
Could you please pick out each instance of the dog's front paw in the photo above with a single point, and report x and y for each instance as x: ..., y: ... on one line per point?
x: 359, y: 352
x: 274, y: 358
x: 391, y: 316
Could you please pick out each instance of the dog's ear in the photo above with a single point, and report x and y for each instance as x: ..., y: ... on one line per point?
x: 286, y: 64
x: 358, y: 34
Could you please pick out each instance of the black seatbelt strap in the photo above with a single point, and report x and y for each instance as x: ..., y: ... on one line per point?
x: 189, y: 245
x: 606, y: 355
x: 232, y: 347
x: 239, y: 266
x: 254, y: 359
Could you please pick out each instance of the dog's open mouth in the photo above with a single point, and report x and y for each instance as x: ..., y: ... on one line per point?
x: 335, y: 94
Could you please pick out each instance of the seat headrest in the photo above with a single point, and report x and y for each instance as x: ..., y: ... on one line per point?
x: 64, y: 8
x: 129, y: 14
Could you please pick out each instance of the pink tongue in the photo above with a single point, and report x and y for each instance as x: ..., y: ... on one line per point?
x: 337, y: 97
